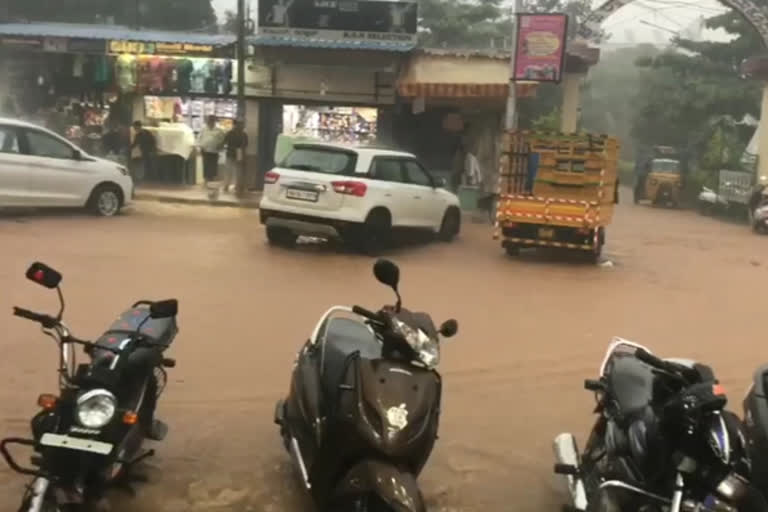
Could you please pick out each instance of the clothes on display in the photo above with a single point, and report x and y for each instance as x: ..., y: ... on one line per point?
x: 341, y: 125
x: 126, y: 73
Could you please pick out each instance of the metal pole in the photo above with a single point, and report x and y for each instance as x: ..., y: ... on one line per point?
x: 241, y: 50
x: 511, y: 117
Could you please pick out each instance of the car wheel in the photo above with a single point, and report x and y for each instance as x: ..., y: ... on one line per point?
x: 451, y: 225
x: 106, y: 201
x: 280, y: 236
x: 372, y: 236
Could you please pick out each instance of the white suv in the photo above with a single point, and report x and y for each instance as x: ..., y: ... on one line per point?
x: 39, y: 169
x: 358, y: 194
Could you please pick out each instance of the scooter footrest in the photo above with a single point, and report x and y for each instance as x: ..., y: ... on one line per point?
x: 566, y: 469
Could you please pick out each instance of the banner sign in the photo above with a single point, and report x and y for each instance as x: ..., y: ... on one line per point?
x: 540, y: 54
x: 372, y: 20
x: 180, y: 49
x: 87, y: 46
x: 32, y: 43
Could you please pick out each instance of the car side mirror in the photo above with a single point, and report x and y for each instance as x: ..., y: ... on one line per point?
x: 440, y: 182
x: 449, y: 328
x: 44, y: 275
x: 164, y: 308
x: 77, y: 154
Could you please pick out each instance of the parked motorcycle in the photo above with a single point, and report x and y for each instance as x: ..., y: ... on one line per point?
x: 362, y: 413
x: 90, y: 435
x: 662, y: 441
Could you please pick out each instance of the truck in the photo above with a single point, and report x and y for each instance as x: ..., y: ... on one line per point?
x: 556, y: 190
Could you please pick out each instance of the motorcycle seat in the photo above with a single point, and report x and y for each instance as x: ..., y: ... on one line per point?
x: 343, y: 337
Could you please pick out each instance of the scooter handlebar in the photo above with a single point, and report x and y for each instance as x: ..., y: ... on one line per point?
x: 370, y: 315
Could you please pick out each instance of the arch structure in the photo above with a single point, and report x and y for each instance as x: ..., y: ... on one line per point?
x: 756, y: 15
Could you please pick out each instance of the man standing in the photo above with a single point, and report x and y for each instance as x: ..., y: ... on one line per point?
x: 236, y: 142
x: 210, y: 141
x: 147, y: 145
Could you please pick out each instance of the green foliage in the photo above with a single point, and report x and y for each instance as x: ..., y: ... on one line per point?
x: 166, y: 14
x: 686, y: 89
x: 481, y: 23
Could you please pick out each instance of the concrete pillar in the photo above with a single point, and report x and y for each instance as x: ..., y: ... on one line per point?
x: 762, y: 139
x: 571, y: 108
x: 251, y: 126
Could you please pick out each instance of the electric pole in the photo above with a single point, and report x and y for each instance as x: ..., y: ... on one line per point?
x: 511, y: 117
x: 241, y: 51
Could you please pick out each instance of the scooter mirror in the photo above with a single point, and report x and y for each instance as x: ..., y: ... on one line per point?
x: 164, y: 308
x: 449, y: 328
x: 387, y: 273
x: 43, y: 275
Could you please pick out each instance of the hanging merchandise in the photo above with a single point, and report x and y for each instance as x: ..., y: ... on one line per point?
x: 211, y: 84
x: 198, y: 77
x: 145, y: 73
x: 171, y: 75
x: 101, y: 74
x: 227, y: 76
x: 77, y: 68
x: 157, y: 75
x: 126, y: 73
x: 184, y: 69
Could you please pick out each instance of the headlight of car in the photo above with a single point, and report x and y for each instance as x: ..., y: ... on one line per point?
x: 95, y: 408
x: 426, y: 348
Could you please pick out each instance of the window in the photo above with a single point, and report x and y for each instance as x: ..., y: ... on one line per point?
x: 42, y: 144
x: 320, y: 159
x: 387, y: 169
x: 416, y: 175
x: 9, y: 141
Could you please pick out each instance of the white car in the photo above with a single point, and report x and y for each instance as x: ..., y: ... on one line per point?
x: 40, y: 169
x: 358, y: 194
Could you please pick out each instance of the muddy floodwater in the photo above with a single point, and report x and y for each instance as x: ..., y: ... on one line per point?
x: 531, y: 330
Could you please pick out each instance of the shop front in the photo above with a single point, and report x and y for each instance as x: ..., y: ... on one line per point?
x: 91, y: 90
x: 451, y: 115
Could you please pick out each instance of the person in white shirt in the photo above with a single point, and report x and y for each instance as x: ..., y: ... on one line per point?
x: 210, y: 141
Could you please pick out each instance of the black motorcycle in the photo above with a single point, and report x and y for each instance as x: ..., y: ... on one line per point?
x: 756, y: 423
x: 362, y: 414
x: 90, y: 435
x: 662, y: 441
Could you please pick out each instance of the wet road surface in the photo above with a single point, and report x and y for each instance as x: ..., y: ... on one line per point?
x: 531, y: 329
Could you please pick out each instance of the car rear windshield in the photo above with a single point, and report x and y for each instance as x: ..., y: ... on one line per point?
x: 670, y: 166
x: 323, y: 160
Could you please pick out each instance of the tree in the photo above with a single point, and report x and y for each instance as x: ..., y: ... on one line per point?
x: 694, y: 83
x: 166, y: 14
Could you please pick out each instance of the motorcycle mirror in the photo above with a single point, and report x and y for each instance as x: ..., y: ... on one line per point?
x: 449, y: 328
x: 387, y: 273
x: 164, y: 308
x: 44, y: 275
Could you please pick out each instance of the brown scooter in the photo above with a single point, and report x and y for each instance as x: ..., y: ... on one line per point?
x: 362, y: 414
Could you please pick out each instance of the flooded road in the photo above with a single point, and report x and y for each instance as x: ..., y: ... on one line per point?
x: 531, y: 330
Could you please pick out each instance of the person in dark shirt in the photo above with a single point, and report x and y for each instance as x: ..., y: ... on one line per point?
x: 236, y: 141
x: 147, y: 145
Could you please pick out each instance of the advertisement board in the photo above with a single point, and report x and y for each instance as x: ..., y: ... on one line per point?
x: 540, y: 54
x: 372, y: 20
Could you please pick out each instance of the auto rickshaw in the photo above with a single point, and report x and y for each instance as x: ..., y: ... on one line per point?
x: 661, y: 183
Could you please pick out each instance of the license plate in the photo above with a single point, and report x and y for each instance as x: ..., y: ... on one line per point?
x: 75, y: 443
x: 301, y: 195
x: 547, y: 233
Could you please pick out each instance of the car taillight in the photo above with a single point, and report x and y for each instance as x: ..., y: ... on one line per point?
x: 350, y: 188
x: 271, y: 177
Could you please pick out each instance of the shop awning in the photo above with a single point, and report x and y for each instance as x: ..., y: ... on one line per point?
x: 332, y: 44
x: 463, y: 90
x: 111, y: 32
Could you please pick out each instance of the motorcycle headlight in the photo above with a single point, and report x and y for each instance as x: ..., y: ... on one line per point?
x: 95, y: 408
x: 426, y: 348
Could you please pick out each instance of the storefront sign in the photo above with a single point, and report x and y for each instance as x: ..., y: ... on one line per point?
x: 183, y: 49
x: 55, y: 44
x: 144, y: 48
x: 339, y: 19
x: 22, y: 42
x: 134, y: 47
x: 87, y: 46
x: 540, y: 47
